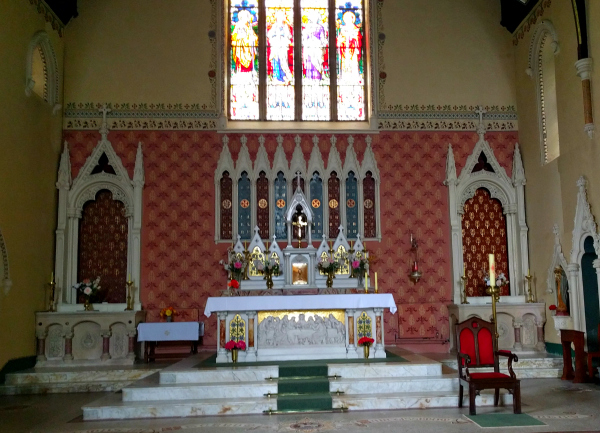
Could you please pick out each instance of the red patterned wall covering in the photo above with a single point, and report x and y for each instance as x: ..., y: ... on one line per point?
x: 333, y: 200
x: 369, y: 206
x: 103, y: 246
x: 179, y: 256
x: 226, y: 206
x: 262, y: 211
x: 295, y: 185
x: 484, y: 232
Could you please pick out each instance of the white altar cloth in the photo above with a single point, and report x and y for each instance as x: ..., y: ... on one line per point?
x: 169, y: 331
x: 301, y: 302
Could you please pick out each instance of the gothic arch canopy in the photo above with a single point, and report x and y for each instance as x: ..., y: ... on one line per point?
x: 92, y: 189
x: 496, y: 189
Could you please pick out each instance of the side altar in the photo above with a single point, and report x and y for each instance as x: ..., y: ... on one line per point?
x: 300, y: 326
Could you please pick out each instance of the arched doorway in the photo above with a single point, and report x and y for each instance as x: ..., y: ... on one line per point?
x: 590, y: 293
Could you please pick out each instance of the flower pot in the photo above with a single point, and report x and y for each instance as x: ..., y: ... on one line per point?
x: 366, y: 349
x: 87, y: 305
x: 360, y: 280
x: 330, y: 276
x: 234, y: 355
x: 169, y: 318
x: 269, y: 278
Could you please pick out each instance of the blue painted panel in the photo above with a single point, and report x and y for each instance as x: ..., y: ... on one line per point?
x: 280, y: 206
x: 316, y: 194
x: 351, y: 206
x: 244, y: 207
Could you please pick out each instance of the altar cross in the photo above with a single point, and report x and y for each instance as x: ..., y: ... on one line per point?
x: 300, y: 224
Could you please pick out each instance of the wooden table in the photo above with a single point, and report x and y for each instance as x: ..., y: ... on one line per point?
x: 568, y: 336
x: 170, y: 334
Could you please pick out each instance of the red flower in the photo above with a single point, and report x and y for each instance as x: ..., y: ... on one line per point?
x: 552, y: 307
x: 365, y: 341
x: 234, y: 284
x: 241, y: 345
x: 232, y: 344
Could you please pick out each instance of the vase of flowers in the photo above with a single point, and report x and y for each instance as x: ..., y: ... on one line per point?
x: 366, y: 342
x: 269, y: 268
x: 233, y: 346
x: 328, y: 265
x: 359, y: 265
x: 501, y: 280
x: 235, y: 265
x: 168, y: 313
x: 88, y: 288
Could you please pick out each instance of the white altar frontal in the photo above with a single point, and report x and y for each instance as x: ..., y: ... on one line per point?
x: 300, y: 326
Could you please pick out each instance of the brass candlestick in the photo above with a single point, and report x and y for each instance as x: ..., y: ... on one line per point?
x: 494, y: 292
x: 464, y: 290
x: 350, y: 254
x: 51, y: 301
x: 129, y: 299
x: 530, y: 298
x: 247, y: 257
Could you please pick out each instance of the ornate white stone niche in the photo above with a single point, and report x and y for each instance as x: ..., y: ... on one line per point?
x: 73, y: 194
x: 510, y: 193
x: 558, y: 260
x: 584, y: 226
x: 290, y: 169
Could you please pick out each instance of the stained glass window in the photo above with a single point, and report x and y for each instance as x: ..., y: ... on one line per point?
x: 244, y: 207
x: 226, y: 206
x: 280, y: 207
x: 316, y: 197
x: 350, y: 59
x: 351, y: 206
x: 370, y: 229
x: 244, y: 76
x: 262, y: 198
x: 333, y: 189
x: 297, y: 60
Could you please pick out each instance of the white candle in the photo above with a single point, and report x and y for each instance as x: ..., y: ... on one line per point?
x: 366, y: 282
x: 492, y: 270
x: 375, y: 282
x: 52, y: 277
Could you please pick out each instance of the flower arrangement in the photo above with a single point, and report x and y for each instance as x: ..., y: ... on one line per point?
x: 233, y: 284
x: 235, y: 265
x: 365, y: 341
x: 359, y: 264
x: 238, y: 345
x: 552, y: 309
x: 329, y: 264
x: 500, y: 280
x: 87, y: 287
x: 267, y: 266
x: 168, y: 313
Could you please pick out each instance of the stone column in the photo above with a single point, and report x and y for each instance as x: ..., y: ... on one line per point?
x: 379, y: 346
x: 575, y: 300
x: 251, y: 329
x: 351, y: 337
x: 131, y: 350
x: 514, y: 271
x: 222, y: 332
x: 41, y: 346
x: 584, y: 71
x: 68, y: 346
x: 517, y: 325
x: 105, y: 345
x: 540, y: 345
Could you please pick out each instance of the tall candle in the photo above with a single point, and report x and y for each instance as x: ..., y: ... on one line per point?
x: 129, y: 278
x: 464, y: 270
x: 366, y: 282
x: 375, y: 282
x: 52, y: 277
x: 492, y: 270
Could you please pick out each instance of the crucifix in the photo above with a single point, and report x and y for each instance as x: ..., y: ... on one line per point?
x: 300, y: 223
x: 104, y: 126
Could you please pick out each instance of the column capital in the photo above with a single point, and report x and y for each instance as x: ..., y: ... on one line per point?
x: 251, y: 314
x: 222, y: 315
x: 351, y: 313
x: 584, y: 68
x: 378, y: 311
x: 573, y: 267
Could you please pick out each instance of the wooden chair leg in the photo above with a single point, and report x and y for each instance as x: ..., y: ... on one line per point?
x: 517, y: 398
x: 496, y: 396
x: 460, y: 396
x: 472, y: 395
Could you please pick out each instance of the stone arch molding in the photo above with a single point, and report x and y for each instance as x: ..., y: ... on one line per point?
x: 5, y: 281
x: 542, y: 30
x: 510, y: 193
x: 53, y: 79
x: 73, y: 194
x: 584, y: 226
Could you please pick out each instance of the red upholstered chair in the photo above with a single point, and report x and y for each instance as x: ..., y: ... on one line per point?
x: 477, y: 348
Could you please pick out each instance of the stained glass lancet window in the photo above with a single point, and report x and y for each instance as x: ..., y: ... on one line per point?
x: 351, y: 206
x: 226, y: 206
x: 244, y: 208
x: 315, y: 60
x: 280, y: 189
x: 350, y: 60
x: 297, y: 60
x: 244, y: 76
x: 262, y: 198
x: 370, y: 229
x: 333, y: 189
x: 316, y: 196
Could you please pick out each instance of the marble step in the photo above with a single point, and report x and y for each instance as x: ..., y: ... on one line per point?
x: 112, y: 407
x: 523, y: 363
x: 414, y: 400
x: 29, y: 377
x: 63, y: 387
x: 223, y: 390
x: 523, y: 372
x: 384, y: 385
x: 219, y: 375
x: 384, y: 369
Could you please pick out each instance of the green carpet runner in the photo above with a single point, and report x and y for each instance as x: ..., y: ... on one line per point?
x: 303, y: 388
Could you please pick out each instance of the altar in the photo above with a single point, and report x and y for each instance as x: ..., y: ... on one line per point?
x: 300, y: 326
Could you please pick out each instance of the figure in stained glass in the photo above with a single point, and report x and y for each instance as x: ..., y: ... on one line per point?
x: 314, y: 43
x: 280, y: 42
x: 349, y: 44
x: 280, y: 65
x: 244, y: 42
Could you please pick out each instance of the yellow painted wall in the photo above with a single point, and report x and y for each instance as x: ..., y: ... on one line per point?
x: 551, y: 191
x: 156, y: 51
x: 30, y: 144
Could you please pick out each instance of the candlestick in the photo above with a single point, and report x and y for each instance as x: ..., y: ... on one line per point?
x: 52, y: 277
x: 376, y: 290
x: 52, y: 301
x: 530, y: 299
x: 494, y: 292
x: 366, y: 282
x: 129, y: 278
x: 129, y: 288
x: 464, y: 290
x: 492, y: 270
